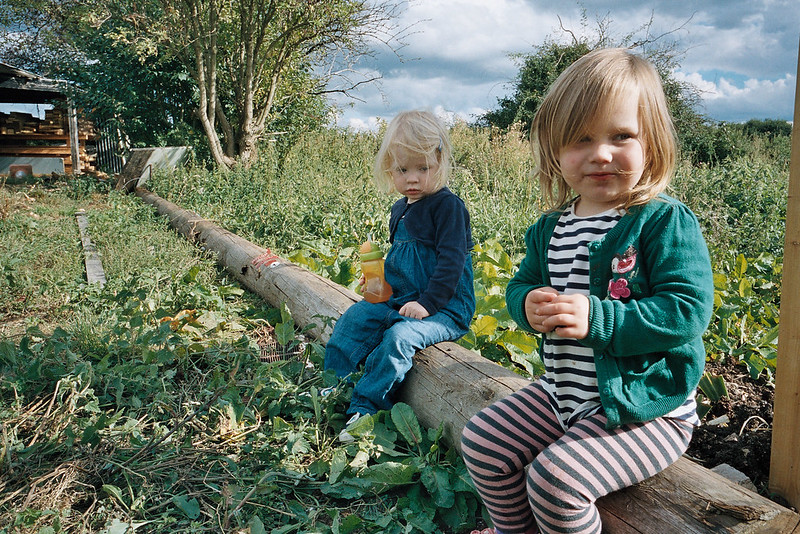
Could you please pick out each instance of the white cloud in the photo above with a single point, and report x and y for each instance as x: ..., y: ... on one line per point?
x: 762, y: 99
x: 457, y: 58
x: 475, y: 31
x: 360, y: 124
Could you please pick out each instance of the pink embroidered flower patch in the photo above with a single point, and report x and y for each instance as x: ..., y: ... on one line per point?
x: 618, y: 289
x: 622, y: 263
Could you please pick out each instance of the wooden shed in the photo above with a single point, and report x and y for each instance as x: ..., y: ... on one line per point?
x: 61, y: 141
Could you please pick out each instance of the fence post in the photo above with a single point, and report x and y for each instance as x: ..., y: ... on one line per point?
x: 74, y: 138
x: 784, y: 471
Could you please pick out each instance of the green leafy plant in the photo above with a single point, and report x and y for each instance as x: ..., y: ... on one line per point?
x: 746, y: 314
x: 492, y: 331
x: 712, y: 389
x: 147, y: 398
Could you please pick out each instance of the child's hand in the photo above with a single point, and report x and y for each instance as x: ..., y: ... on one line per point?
x: 533, y: 304
x: 567, y: 316
x: 414, y: 309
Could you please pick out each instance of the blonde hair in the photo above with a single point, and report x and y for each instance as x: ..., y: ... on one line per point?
x: 589, y: 89
x: 420, y: 133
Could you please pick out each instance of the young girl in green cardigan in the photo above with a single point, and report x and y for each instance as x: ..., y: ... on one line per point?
x: 617, y: 279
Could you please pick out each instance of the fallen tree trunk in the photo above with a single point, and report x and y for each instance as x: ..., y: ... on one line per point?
x: 448, y: 384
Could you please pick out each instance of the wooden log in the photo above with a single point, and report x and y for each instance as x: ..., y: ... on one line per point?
x: 448, y: 384
x: 784, y: 472
x: 74, y: 143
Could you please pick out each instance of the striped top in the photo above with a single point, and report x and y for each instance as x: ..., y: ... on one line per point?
x: 570, y: 376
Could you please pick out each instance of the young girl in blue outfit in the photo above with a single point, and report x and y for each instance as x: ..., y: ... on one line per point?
x: 428, y: 267
x: 618, y: 281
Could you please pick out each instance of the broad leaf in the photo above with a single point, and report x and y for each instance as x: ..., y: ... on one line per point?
x: 437, y: 482
x: 407, y: 424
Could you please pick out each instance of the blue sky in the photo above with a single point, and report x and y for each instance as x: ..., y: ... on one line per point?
x: 741, y: 54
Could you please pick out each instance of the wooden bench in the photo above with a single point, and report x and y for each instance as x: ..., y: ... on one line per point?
x: 449, y: 384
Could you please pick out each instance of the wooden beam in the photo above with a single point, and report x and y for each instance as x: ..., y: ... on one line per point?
x: 449, y: 384
x: 784, y: 471
x: 74, y: 142
x: 61, y: 151
x: 94, y: 267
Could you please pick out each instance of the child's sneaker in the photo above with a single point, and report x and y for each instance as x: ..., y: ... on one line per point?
x: 344, y: 435
x: 324, y: 392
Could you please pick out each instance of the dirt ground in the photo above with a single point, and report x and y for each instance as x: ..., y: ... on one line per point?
x: 744, y: 441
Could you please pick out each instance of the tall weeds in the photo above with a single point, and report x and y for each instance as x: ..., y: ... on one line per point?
x: 322, y: 194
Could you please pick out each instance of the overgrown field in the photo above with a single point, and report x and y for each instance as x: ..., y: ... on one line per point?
x: 146, y: 406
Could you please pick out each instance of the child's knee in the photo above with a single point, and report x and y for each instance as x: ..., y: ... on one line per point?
x: 547, y: 483
x: 482, y: 446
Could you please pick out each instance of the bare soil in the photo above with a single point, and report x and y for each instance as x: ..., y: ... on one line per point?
x: 738, y: 429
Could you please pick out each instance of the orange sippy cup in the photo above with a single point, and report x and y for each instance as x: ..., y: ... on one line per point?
x: 375, y: 288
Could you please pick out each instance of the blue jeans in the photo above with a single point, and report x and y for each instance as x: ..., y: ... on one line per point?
x: 386, y: 342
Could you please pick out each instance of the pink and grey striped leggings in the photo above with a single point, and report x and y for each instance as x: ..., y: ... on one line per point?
x: 566, y: 471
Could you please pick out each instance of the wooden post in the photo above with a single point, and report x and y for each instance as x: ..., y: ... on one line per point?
x: 74, y: 139
x: 784, y: 470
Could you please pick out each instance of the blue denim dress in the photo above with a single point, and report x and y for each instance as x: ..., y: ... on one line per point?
x: 384, y: 340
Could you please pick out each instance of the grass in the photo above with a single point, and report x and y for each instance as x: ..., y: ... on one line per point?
x: 144, y: 405
x: 41, y: 256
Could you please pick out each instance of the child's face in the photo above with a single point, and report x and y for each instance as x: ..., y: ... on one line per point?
x: 608, y: 161
x: 413, y: 175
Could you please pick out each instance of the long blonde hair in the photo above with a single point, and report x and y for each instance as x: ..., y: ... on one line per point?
x: 584, y: 92
x: 418, y: 132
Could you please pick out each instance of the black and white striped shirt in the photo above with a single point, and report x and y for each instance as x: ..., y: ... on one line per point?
x: 570, y: 376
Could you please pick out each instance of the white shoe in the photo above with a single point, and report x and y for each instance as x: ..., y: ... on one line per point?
x: 344, y: 435
x: 322, y: 393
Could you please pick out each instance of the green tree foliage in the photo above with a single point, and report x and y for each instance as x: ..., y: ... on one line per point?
x: 145, y: 93
x: 539, y: 69
x: 245, y: 69
x: 770, y: 127
x: 151, y: 98
x: 537, y: 72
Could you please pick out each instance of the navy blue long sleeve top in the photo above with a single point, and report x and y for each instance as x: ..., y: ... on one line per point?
x: 440, y: 221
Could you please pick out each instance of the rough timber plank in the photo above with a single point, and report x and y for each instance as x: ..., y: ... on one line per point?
x: 94, y: 267
x: 448, y: 384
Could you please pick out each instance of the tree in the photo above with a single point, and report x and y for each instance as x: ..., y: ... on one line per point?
x: 249, y: 61
x: 770, y: 128
x: 538, y: 70
x: 148, y: 98
x: 251, y: 57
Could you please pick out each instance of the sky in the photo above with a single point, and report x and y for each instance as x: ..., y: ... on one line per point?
x: 456, y: 61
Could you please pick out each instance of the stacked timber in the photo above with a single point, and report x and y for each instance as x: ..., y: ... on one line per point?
x: 24, y: 135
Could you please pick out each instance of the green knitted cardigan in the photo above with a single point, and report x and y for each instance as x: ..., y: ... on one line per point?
x: 651, y: 299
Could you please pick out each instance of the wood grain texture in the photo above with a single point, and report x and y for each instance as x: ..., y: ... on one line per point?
x: 784, y: 474
x: 94, y: 266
